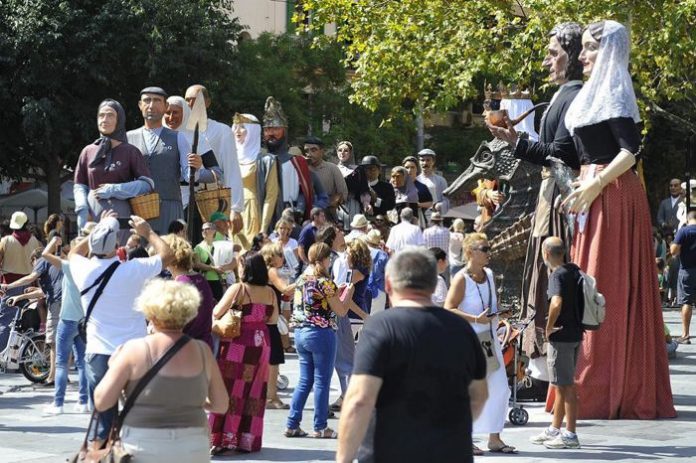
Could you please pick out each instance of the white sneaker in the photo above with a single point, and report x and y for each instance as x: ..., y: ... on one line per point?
x: 544, y: 436
x: 53, y: 410
x: 563, y: 442
x: 81, y: 408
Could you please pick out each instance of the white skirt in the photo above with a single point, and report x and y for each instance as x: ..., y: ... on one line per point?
x: 494, y: 413
x: 172, y: 445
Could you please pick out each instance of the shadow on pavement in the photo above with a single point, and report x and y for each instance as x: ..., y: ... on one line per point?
x: 278, y: 454
x: 614, y: 453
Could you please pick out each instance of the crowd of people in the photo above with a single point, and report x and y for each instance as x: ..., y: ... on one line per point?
x: 333, y: 253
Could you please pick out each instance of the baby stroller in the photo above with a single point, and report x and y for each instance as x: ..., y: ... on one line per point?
x: 516, y: 363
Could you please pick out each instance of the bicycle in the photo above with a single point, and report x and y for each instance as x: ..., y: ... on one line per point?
x: 26, y: 348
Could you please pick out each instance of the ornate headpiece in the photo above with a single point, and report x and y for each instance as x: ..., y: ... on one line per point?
x: 274, y: 116
x: 240, y: 119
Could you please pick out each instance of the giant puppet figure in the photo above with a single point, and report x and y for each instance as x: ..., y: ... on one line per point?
x: 554, y: 141
x: 168, y: 155
x: 259, y: 178
x: 217, y: 137
x: 299, y: 188
x: 110, y: 170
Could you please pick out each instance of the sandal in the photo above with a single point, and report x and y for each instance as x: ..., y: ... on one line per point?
x: 326, y: 433
x: 217, y: 450
x: 684, y: 340
x: 503, y: 449
x: 297, y: 432
x: 477, y: 452
x: 276, y: 404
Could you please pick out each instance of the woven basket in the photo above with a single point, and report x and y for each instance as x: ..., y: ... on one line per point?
x: 211, y: 201
x: 146, y: 206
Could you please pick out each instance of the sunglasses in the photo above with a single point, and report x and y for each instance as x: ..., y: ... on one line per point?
x: 483, y: 249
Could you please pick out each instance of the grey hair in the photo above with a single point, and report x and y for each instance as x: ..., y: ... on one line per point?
x: 554, y: 246
x: 412, y: 268
x: 406, y: 214
x: 569, y: 36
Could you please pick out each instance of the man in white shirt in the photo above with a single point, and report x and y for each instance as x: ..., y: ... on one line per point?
x: 218, y: 137
x: 667, y: 212
x: 114, y: 319
x: 435, y: 183
x: 405, y: 233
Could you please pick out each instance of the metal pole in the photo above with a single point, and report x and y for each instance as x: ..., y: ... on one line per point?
x: 689, y: 155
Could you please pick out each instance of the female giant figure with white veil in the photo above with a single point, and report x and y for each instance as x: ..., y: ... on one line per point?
x: 622, y: 369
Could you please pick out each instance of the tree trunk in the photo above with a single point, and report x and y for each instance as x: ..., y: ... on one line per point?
x: 52, y: 169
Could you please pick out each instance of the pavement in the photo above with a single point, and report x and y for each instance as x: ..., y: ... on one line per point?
x: 27, y: 436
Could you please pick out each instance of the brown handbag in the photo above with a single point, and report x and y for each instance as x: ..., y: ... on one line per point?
x: 113, y: 450
x: 229, y: 326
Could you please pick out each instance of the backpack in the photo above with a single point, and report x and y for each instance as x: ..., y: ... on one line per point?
x: 595, y: 304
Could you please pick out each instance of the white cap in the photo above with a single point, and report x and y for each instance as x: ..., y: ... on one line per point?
x: 427, y: 152
x: 18, y: 220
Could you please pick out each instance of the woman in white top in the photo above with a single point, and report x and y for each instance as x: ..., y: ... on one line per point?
x: 472, y: 295
x: 455, y: 253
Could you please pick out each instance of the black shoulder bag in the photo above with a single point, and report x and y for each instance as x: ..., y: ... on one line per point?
x: 113, y: 450
x: 101, y: 280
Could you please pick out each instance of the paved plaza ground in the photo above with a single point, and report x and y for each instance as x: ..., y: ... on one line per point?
x: 27, y: 436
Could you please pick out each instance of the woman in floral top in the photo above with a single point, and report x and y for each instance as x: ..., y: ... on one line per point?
x: 317, y: 304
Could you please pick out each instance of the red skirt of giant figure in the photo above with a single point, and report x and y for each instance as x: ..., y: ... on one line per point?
x: 622, y: 370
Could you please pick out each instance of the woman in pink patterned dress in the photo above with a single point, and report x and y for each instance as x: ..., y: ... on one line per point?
x: 243, y: 361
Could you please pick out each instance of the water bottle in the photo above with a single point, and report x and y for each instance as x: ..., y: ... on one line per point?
x: 13, y: 351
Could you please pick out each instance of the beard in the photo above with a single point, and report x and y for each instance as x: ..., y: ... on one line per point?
x: 273, y: 144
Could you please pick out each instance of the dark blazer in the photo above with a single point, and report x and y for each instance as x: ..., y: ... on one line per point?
x: 384, y: 191
x: 667, y: 215
x: 554, y: 138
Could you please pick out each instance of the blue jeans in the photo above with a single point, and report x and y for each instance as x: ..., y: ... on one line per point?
x: 97, y: 364
x: 66, y: 338
x: 316, y: 349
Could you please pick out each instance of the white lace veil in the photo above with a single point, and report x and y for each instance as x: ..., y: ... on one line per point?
x: 608, y: 93
x: 248, y: 151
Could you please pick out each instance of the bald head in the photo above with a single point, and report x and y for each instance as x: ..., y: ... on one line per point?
x: 553, y: 251
x: 192, y: 92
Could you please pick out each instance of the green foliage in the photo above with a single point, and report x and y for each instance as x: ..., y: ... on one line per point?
x: 431, y: 51
x: 60, y: 59
x: 312, y: 85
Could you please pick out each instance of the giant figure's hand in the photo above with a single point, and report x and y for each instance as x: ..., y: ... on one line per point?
x: 195, y: 160
x: 508, y: 133
x: 584, y: 195
x: 237, y: 222
x: 104, y: 191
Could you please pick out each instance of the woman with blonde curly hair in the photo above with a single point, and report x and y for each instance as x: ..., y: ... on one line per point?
x: 168, y: 421
x: 181, y: 268
x: 472, y: 295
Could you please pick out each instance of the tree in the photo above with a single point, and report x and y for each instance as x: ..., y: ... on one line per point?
x: 437, y: 52
x: 60, y: 59
x: 431, y: 51
x: 312, y: 85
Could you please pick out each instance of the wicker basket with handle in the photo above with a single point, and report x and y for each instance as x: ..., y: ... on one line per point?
x: 146, y: 206
x: 213, y: 200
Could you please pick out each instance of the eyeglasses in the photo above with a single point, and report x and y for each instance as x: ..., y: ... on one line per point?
x: 483, y: 249
x: 208, y: 229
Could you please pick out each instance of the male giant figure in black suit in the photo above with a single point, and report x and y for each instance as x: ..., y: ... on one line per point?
x: 565, y: 70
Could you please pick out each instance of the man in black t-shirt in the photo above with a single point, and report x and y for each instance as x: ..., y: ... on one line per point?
x: 564, y: 333
x: 684, y: 246
x: 419, y: 378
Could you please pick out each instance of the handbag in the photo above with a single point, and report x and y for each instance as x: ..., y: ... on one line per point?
x: 486, y: 337
x: 101, y: 280
x: 113, y: 450
x: 229, y: 326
